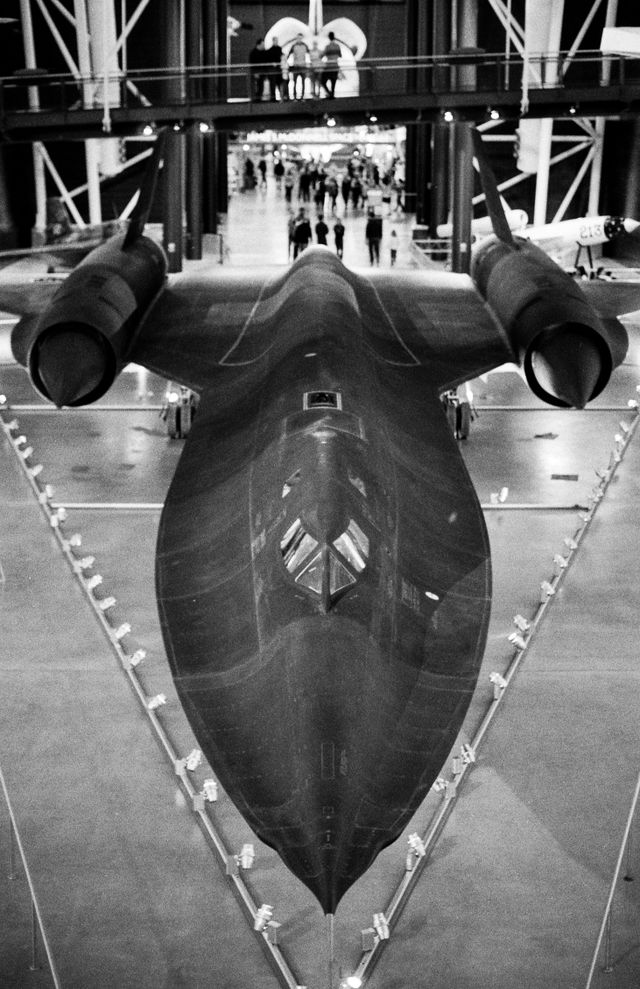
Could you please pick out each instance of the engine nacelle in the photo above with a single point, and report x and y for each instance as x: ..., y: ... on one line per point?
x: 79, y: 344
x: 566, y: 351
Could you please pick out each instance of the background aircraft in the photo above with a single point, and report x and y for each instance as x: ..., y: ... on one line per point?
x: 560, y: 239
x: 323, y: 568
x: 582, y: 232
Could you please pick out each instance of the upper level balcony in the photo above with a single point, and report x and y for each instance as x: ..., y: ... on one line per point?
x: 469, y: 85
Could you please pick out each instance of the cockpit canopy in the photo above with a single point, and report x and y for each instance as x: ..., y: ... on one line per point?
x: 325, y: 570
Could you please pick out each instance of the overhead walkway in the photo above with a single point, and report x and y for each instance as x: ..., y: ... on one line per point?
x: 35, y: 105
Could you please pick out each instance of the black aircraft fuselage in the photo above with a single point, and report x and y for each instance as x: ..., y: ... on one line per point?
x: 323, y: 576
x: 323, y: 573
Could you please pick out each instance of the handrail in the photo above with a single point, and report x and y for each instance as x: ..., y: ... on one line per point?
x: 37, y: 77
x: 34, y: 900
x: 42, y: 78
x: 614, y: 882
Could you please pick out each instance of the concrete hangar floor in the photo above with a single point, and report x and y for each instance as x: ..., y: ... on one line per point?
x: 129, y: 889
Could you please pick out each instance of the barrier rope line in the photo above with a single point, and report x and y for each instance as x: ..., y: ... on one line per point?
x: 36, y: 915
x: 422, y: 847
x: 83, y: 568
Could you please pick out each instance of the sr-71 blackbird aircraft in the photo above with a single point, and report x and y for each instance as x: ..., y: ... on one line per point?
x: 323, y: 568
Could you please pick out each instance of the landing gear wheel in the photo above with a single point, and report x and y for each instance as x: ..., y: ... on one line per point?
x: 463, y: 421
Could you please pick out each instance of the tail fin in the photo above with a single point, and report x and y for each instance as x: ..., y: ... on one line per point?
x: 140, y: 214
x: 490, y: 188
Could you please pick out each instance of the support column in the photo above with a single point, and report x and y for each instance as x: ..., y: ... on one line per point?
x: 417, y: 151
x: 423, y: 177
x: 439, y: 199
x: 194, y: 205
x: 7, y: 227
x: 224, y: 57
x: 410, y: 169
x: 215, y: 52
x: 40, y: 222
x: 173, y: 172
x: 596, y: 168
x: 462, y: 196
x: 194, y: 193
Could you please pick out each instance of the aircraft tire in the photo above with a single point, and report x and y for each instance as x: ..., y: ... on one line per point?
x: 463, y: 420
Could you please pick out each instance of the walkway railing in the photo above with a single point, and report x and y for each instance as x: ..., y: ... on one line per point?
x: 468, y: 78
x: 37, y: 928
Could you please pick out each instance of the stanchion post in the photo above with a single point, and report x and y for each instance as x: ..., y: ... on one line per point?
x: 34, y: 967
x: 608, y: 960
x: 12, y: 852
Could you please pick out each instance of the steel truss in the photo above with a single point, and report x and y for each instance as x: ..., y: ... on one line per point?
x: 99, y: 53
x: 581, y: 138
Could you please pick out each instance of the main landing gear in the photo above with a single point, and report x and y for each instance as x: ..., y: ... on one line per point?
x: 179, y: 410
x: 460, y: 414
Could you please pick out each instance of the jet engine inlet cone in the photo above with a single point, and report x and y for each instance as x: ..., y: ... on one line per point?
x: 566, y: 365
x: 71, y: 364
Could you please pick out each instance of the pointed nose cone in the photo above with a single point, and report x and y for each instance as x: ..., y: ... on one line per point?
x: 568, y: 367
x: 630, y: 225
x: 333, y: 872
x: 71, y: 365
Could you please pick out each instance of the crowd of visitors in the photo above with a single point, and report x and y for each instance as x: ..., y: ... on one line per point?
x: 321, y: 198
x: 291, y: 73
x: 358, y: 185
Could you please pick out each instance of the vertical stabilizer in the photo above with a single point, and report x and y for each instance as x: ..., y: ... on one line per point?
x: 495, y: 208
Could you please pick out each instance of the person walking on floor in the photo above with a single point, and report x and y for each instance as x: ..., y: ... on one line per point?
x: 301, y: 234
x: 393, y: 247
x: 373, y: 235
x: 346, y: 189
x: 338, y: 233
x: 321, y: 230
x: 289, y: 182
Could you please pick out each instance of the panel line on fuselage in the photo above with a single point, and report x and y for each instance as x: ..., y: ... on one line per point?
x: 247, y: 323
x: 393, y: 328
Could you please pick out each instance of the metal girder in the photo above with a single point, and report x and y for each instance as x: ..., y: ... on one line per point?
x: 96, y: 60
x: 541, y: 31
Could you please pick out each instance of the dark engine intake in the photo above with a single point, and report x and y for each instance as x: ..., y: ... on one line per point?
x: 79, y: 344
x: 566, y: 351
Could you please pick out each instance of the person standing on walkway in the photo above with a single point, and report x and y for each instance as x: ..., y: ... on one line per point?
x: 338, y: 233
x: 298, y: 56
x: 289, y: 182
x: 346, y: 188
x: 304, y: 184
x: 291, y: 227
x: 277, y: 85
x: 331, y: 56
x: 321, y: 230
x: 320, y: 193
x: 315, y: 69
x: 356, y: 191
x: 258, y: 59
x: 332, y: 191
x: 278, y: 171
x: 373, y: 235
